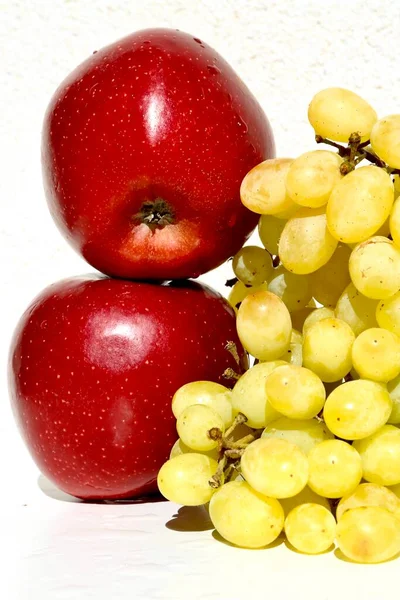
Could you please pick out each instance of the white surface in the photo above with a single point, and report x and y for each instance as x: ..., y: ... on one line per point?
x: 285, y: 51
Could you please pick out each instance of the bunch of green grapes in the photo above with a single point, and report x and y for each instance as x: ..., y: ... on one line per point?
x: 307, y: 443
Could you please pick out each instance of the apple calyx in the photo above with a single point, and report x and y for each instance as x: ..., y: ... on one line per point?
x: 155, y: 214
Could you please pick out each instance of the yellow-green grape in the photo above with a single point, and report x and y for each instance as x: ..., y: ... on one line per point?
x: 380, y: 453
x: 299, y: 316
x: 385, y: 140
x: 239, y: 292
x: 388, y: 314
x: 397, y: 183
x: 306, y: 496
x: 336, y: 113
x: 263, y: 189
x: 357, y: 409
x: 294, y: 355
x: 185, y: 479
x: 395, y: 489
x: 394, y: 223
x: 359, y: 204
x: 275, y: 467
x: 376, y: 354
x: 335, y: 469
x: 306, y: 434
x: 310, y: 528
x: 306, y: 244
x: 295, y: 392
x: 369, y: 494
x: 210, y: 394
x: 294, y: 290
x: 356, y: 310
x: 252, y: 265
x: 250, y: 397
x: 368, y: 534
x: 328, y: 283
x: 269, y: 230
x: 312, y: 176
x: 317, y: 315
x: 180, y: 448
x: 327, y: 349
x: 194, y: 423
x: 375, y: 268
x: 393, y: 388
x: 244, y: 517
x: 264, y: 325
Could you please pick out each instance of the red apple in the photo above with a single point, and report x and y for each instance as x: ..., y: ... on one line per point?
x: 144, y: 148
x: 94, y: 364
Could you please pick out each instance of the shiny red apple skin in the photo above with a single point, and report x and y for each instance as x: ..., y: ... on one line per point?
x: 94, y: 364
x: 158, y: 114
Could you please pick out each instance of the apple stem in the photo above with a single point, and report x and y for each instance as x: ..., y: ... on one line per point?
x: 155, y: 214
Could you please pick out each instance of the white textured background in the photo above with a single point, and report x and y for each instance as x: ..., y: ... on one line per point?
x: 285, y: 51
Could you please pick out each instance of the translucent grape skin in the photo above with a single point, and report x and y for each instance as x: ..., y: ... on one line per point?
x: 380, y: 454
x: 193, y: 425
x: 393, y: 388
x: 306, y: 434
x: 312, y: 176
x: 327, y: 349
x: 269, y: 230
x: 369, y: 494
x: 294, y: 290
x: 335, y: 469
x: 295, y: 392
x: 275, y: 467
x: 388, y: 314
x: 252, y: 265
x: 385, y: 140
x: 394, y: 223
x: 180, y: 448
x: 306, y: 244
x: 185, y: 479
x: 336, y: 113
x: 356, y: 310
x: 317, y: 315
x: 306, y: 496
x: 264, y: 325
x: 310, y: 528
x: 299, y: 316
x: 239, y: 292
x: 357, y: 409
x: 250, y: 398
x: 263, y: 189
x: 368, y: 534
x: 328, y: 283
x: 244, y: 517
x: 376, y: 355
x: 359, y: 204
x: 374, y: 267
x: 294, y: 355
x: 208, y: 393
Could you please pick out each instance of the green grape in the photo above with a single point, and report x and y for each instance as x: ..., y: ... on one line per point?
x: 293, y: 289
x: 306, y: 434
x: 356, y: 409
x: 385, y: 140
x: 252, y: 265
x: 328, y: 283
x: 299, y: 316
x: 397, y: 183
x: 214, y: 395
x: 312, y: 176
x: 306, y: 496
x: 275, y: 467
x: 310, y: 528
x: 294, y: 355
x: 317, y: 315
x: 194, y: 423
x: 264, y: 325
x: 395, y: 489
x: 359, y: 204
x: 393, y: 388
x: 180, y: 448
x: 327, y: 349
x: 369, y: 494
x: 306, y: 244
x: 250, y: 397
x: 375, y: 268
x: 269, y: 230
x: 388, y: 313
x: 368, y: 534
x: 335, y: 469
x: 185, y: 479
x: 336, y: 113
x: 244, y: 517
x: 263, y: 189
x: 376, y: 354
x: 380, y: 453
x: 239, y: 292
x: 295, y: 392
x: 394, y: 222
x: 356, y: 310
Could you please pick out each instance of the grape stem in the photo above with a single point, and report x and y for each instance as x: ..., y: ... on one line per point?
x: 230, y: 374
x: 231, y: 282
x: 232, y: 348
